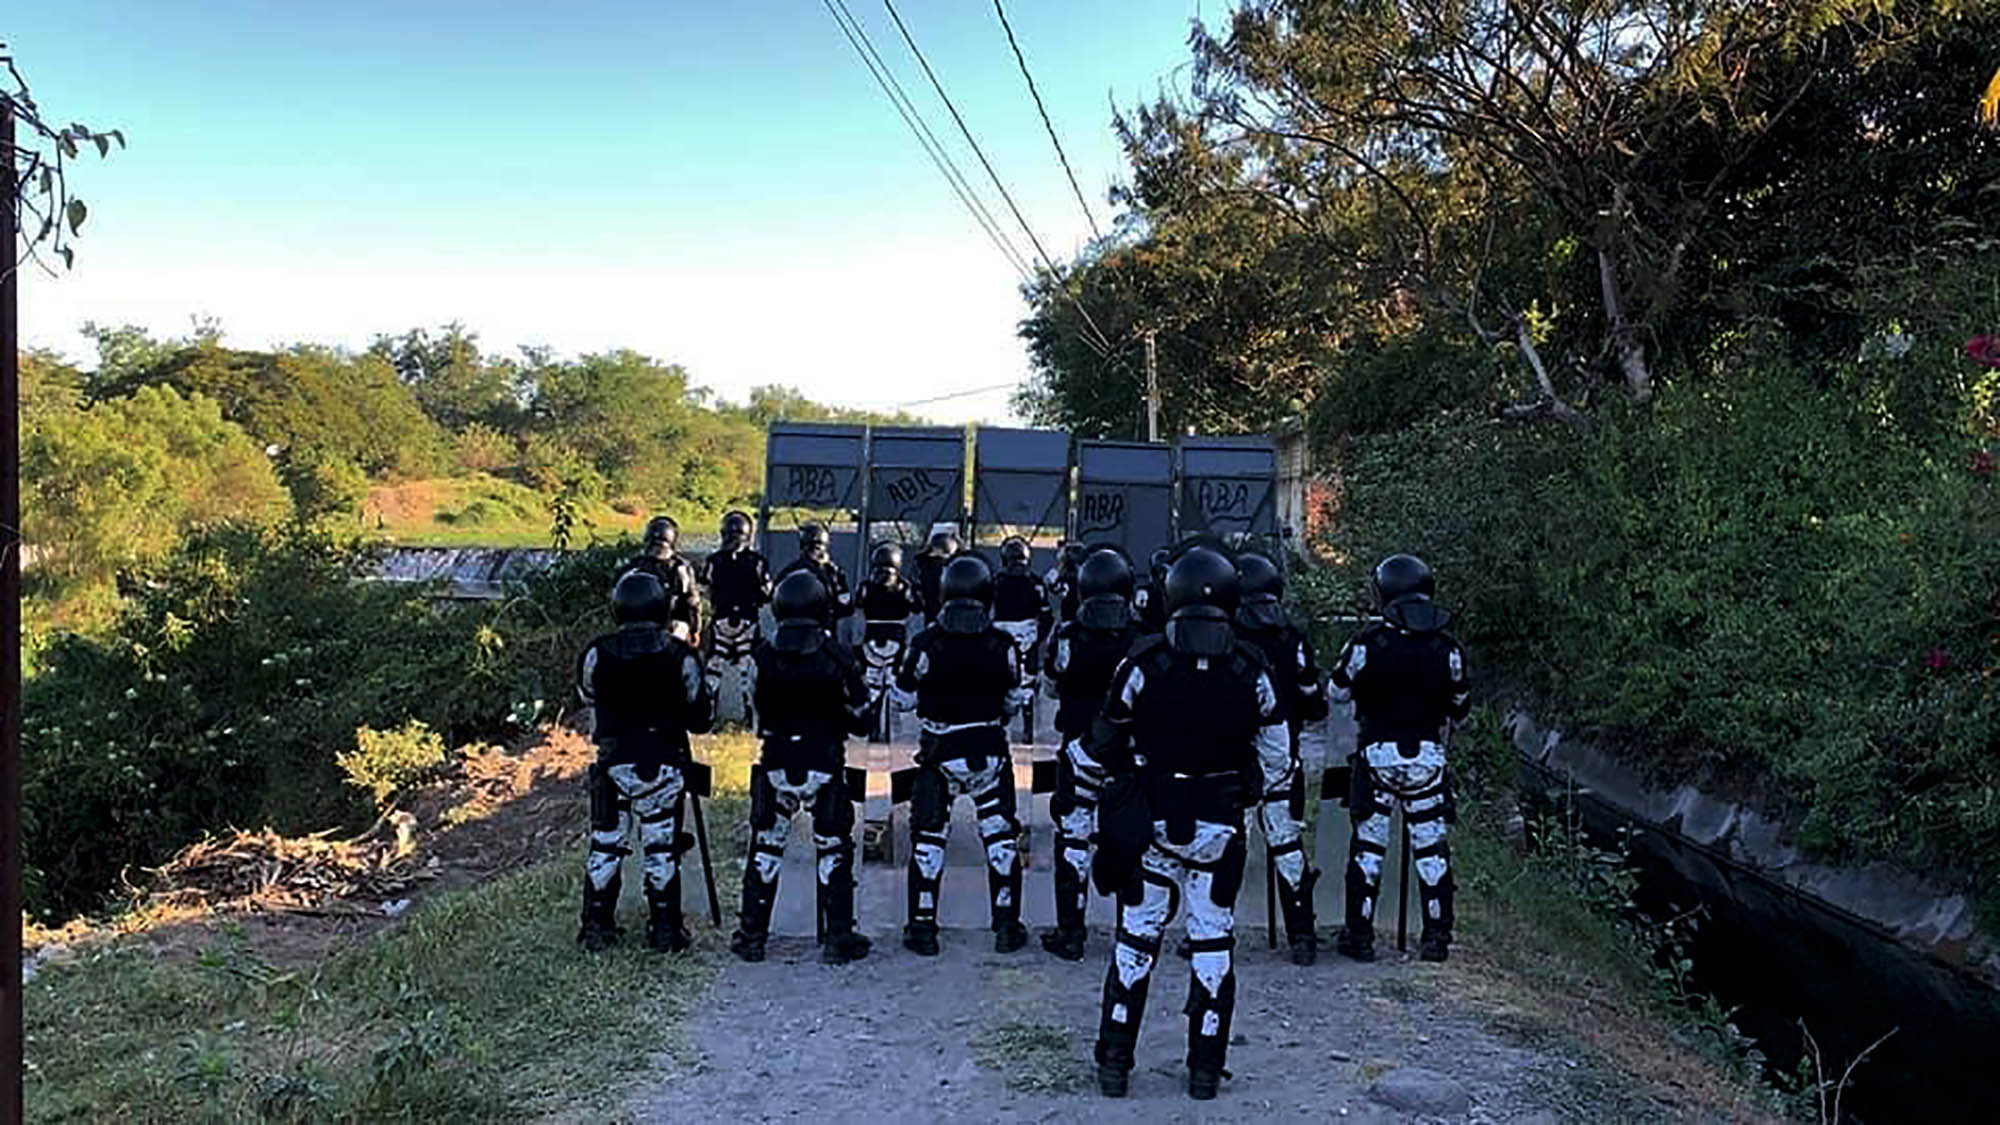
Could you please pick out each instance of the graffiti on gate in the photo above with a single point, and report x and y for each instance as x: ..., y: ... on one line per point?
x: 1222, y: 498
x: 912, y: 495
x: 1100, y: 513
x: 811, y: 484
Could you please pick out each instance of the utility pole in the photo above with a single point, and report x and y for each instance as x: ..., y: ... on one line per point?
x: 10, y: 628
x: 1152, y: 389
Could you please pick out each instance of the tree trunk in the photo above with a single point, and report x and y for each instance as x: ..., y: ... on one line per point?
x: 1626, y: 340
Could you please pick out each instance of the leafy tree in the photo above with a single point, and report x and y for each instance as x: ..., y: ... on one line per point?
x: 114, y: 486
x: 482, y: 449
x: 453, y: 382
x: 49, y: 386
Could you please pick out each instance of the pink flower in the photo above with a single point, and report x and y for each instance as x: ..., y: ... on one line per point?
x: 1937, y: 660
x: 1984, y: 350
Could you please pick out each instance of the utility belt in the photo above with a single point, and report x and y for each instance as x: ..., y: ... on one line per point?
x: 818, y: 750
x: 651, y: 749
x: 975, y: 743
x: 881, y: 630
x: 1181, y: 799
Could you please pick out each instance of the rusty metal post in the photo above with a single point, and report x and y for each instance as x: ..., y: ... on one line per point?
x: 10, y: 630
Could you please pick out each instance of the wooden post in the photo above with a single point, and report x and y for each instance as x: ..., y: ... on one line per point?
x: 10, y: 628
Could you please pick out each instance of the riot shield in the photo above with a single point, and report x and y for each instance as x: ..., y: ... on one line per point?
x: 1125, y: 495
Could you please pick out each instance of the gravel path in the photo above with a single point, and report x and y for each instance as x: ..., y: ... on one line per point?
x: 985, y: 1036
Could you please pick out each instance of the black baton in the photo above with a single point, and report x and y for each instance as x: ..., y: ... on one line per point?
x: 707, y: 867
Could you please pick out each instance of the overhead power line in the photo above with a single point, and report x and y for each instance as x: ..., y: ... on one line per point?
x: 1062, y: 156
x: 933, y: 148
x: 1096, y: 338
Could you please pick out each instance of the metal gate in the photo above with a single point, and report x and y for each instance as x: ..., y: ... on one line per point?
x: 813, y: 472
x: 1229, y: 487
x: 1020, y: 486
x: 916, y: 481
x: 1125, y: 496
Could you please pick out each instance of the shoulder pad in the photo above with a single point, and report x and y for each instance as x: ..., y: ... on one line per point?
x: 1150, y: 646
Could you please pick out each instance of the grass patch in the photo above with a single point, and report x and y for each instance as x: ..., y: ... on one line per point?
x: 480, y: 511
x: 1033, y: 1058
x: 478, y: 1007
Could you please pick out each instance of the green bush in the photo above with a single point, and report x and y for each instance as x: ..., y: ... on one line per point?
x: 386, y: 762
x: 1775, y: 588
x: 226, y: 692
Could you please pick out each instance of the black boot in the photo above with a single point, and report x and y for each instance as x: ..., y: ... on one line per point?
x: 836, y: 910
x: 920, y: 935
x: 1114, y: 1067
x: 1118, y: 1030
x: 921, y: 938
x: 1066, y: 940
x: 1009, y: 934
x: 599, y: 930
x: 1297, y: 903
x: 664, y: 932
x: 1208, y: 1035
x: 1434, y: 946
x: 1356, y: 942
x: 753, y: 925
x: 1437, y: 901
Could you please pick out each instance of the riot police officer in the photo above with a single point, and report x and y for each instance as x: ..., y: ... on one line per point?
x: 1406, y: 676
x: 648, y: 693
x: 1149, y: 603
x: 1064, y: 586
x: 887, y: 600
x: 965, y: 681
x: 1021, y: 610
x: 1082, y: 655
x: 1188, y: 720
x: 815, y: 555
x: 944, y: 547
x: 1263, y: 622
x: 658, y: 557
x: 809, y: 698
x: 739, y: 584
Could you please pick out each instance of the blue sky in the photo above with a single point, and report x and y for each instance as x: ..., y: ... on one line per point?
x: 716, y: 183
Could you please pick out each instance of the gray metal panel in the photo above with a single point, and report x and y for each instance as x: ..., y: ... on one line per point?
x: 1125, y: 495
x: 910, y: 447
x: 1124, y: 462
x: 1020, y: 482
x: 1045, y: 450
x: 1229, y: 486
x: 812, y: 471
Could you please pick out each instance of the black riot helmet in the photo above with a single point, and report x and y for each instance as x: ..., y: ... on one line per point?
x: 662, y: 533
x: 1263, y: 588
x: 736, y: 527
x: 1202, y: 578
x: 813, y: 542
x: 1260, y: 577
x: 1202, y: 592
x: 886, y: 556
x: 1104, y: 591
x: 638, y: 597
x: 966, y: 589
x: 944, y: 543
x: 1157, y: 566
x: 1400, y: 576
x: 1104, y: 572
x: 1015, y: 553
x: 802, y: 608
x: 801, y: 596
